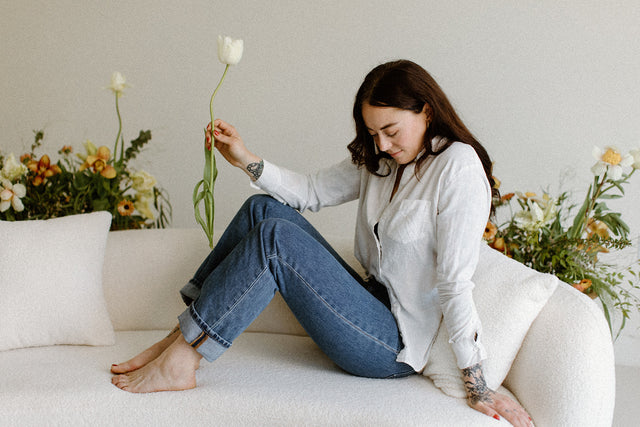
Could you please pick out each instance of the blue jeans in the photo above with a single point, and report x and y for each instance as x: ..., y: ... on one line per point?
x: 270, y: 247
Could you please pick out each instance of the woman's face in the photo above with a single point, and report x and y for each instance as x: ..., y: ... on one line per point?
x: 397, y: 132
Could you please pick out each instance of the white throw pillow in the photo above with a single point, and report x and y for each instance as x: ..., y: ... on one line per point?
x: 508, y: 296
x: 51, y: 282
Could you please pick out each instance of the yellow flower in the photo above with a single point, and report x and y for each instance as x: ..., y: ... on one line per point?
x: 99, y: 163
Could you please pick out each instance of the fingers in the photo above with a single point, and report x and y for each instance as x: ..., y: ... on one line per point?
x: 224, y: 128
x: 501, y: 406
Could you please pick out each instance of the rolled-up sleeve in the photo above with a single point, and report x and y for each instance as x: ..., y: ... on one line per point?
x: 463, y: 210
x: 331, y: 186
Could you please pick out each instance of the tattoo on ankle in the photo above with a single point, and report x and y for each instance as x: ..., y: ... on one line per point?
x: 173, y: 331
x: 255, y: 169
x: 475, y: 384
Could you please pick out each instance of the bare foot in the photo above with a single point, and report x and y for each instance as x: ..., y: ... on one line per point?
x: 174, y: 369
x: 146, y: 356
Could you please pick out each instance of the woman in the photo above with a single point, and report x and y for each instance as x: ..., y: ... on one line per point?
x: 424, y: 188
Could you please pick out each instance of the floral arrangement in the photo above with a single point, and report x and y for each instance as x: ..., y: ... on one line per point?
x: 542, y: 233
x: 33, y: 187
x: 229, y: 53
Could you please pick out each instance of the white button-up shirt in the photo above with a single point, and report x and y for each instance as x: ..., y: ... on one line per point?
x: 427, y: 243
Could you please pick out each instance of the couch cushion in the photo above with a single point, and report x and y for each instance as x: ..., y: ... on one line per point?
x: 144, y: 271
x: 51, y: 282
x: 264, y: 379
x: 508, y: 296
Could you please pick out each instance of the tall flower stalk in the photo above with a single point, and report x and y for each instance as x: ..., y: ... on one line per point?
x: 118, y: 83
x: 229, y: 53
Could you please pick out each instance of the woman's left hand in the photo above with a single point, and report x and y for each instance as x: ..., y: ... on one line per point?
x: 496, y: 405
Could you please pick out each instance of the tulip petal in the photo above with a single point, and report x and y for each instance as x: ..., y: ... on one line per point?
x: 104, y: 153
x: 108, y: 172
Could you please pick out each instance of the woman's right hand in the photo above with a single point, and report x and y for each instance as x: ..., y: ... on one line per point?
x: 228, y: 142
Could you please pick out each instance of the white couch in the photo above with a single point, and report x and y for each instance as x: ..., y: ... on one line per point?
x: 274, y: 374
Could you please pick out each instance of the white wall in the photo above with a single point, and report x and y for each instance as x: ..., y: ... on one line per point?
x: 539, y: 82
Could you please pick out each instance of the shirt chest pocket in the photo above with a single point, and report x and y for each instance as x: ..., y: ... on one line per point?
x: 410, y: 221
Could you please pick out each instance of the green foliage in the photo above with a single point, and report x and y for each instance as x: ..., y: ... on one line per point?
x: 77, y: 189
x: 536, y: 235
x: 94, y: 181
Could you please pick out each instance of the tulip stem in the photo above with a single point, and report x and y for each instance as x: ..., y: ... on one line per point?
x: 115, y: 148
x: 212, y: 166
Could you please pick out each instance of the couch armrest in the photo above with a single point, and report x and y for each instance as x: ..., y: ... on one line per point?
x: 564, y: 373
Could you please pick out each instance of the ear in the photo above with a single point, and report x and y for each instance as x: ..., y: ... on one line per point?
x: 428, y: 111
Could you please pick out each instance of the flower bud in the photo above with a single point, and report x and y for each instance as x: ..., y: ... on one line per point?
x: 229, y: 50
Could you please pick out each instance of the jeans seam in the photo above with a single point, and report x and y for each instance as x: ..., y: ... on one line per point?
x: 325, y: 302
x: 210, y: 329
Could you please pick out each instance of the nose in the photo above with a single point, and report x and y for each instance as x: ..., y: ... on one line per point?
x: 383, y: 144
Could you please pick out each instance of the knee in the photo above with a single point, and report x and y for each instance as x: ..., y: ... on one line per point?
x: 277, y: 229
x: 257, y: 200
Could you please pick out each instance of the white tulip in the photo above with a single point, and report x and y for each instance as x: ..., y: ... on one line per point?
x: 118, y: 83
x: 229, y: 50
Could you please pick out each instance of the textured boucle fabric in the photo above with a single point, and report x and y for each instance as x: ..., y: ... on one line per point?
x: 264, y: 379
x: 563, y: 373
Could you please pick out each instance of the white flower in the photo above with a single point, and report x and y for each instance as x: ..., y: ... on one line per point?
x: 636, y: 158
x: 118, y: 83
x: 610, y: 161
x: 141, y: 203
x: 229, y: 50
x: 143, y: 181
x: 12, y: 169
x: 10, y: 195
x: 538, y: 215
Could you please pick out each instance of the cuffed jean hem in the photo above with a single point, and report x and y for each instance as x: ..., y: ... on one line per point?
x: 190, y: 292
x: 204, y: 344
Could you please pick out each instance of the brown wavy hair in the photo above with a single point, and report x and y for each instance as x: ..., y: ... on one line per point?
x: 406, y: 85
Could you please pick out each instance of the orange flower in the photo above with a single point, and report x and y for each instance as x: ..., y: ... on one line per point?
x: 125, y: 207
x: 490, y: 231
x: 598, y: 228
x: 499, y: 245
x: 43, y: 169
x: 99, y: 163
x: 583, y: 286
x: 25, y: 158
x: 67, y: 149
x: 507, y: 197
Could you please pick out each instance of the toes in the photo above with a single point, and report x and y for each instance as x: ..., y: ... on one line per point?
x: 120, y: 381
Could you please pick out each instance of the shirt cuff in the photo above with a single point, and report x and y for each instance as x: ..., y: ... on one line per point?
x: 468, y: 351
x: 269, y: 180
